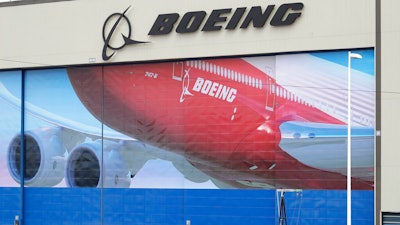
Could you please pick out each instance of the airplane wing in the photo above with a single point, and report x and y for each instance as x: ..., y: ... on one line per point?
x: 324, y: 146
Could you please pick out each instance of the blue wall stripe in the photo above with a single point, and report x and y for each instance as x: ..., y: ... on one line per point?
x: 176, y: 206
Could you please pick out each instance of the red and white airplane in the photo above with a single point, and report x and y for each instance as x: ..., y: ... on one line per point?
x: 257, y: 122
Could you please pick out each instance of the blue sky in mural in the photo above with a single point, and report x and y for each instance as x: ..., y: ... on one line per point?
x: 366, y: 64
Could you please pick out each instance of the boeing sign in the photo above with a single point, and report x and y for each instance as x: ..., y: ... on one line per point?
x: 190, y: 22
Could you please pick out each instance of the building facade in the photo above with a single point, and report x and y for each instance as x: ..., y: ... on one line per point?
x: 198, y: 112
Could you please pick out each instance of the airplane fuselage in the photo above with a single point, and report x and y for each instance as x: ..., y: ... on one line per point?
x: 222, y: 115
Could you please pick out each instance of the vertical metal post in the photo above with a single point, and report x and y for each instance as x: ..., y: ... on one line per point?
x: 22, y: 150
x: 349, y: 140
x: 350, y: 56
x: 378, y: 114
x: 102, y: 149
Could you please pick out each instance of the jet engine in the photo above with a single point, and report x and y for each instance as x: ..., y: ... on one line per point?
x: 44, y: 157
x: 89, y: 166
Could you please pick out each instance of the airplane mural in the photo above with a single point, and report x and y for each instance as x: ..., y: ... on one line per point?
x: 251, y: 122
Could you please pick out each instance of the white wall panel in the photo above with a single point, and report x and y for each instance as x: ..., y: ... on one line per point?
x: 390, y: 109
x: 64, y: 33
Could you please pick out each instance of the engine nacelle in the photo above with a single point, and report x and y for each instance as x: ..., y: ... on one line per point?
x: 44, y: 157
x: 87, y: 167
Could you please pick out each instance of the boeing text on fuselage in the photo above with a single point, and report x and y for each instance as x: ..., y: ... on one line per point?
x: 215, y: 89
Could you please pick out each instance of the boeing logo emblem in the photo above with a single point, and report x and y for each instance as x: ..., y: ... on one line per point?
x: 108, y: 36
x: 185, y: 86
x: 190, y: 22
